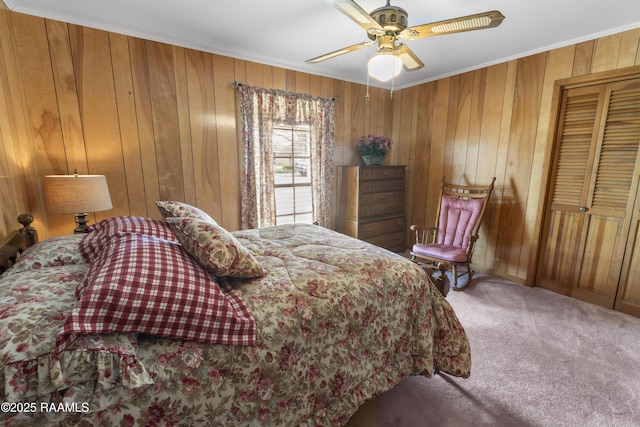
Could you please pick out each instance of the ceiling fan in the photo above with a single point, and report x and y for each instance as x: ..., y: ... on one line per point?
x: 387, y: 26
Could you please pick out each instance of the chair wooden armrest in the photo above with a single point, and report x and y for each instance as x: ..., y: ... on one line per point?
x: 422, y: 233
x: 472, y: 243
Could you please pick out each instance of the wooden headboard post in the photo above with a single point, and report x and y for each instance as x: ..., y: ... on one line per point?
x: 30, y: 234
x: 17, y: 241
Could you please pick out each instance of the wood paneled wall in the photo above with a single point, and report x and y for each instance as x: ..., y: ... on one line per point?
x: 497, y: 121
x: 160, y: 122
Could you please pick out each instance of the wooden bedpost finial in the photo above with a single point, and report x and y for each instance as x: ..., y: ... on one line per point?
x: 30, y: 233
x: 25, y: 220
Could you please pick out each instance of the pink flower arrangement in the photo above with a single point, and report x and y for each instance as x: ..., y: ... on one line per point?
x: 371, y: 145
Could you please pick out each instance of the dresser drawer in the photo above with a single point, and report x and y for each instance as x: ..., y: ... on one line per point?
x: 382, y: 172
x: 386, y: 226
x: 387, y: 208
x: 393, y: 242
x: 381, y: 186
x: 387, y: 197
x: 382, y: 209
x: 370, y: 199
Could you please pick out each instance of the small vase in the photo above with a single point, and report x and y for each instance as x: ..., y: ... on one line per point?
x: 372, y: 160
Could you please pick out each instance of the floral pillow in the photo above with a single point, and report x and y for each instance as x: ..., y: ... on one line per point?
x: 215, y: 248
x: 54, y: 252
x: 170, y: 209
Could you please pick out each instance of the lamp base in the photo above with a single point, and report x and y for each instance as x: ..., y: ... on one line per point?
x: 81, y: 222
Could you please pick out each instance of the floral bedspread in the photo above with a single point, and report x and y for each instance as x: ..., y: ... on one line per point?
x: 338, y: 322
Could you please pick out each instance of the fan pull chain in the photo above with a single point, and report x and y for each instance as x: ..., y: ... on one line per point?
x: 393, y: 79
x: 366, y: 98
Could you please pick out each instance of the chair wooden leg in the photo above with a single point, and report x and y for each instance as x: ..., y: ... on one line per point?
x: 455, y: 278
x: 441, y: 280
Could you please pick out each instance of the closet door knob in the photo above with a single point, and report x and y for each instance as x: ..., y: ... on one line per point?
x: 583, y: 208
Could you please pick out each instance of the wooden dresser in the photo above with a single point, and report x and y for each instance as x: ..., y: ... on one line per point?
x: 371, y: 204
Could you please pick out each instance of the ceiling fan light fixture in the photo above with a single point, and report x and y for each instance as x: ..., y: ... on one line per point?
x: 384, y: 66
x: 386, y: 26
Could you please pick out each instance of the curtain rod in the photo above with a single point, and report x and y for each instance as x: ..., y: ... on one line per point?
x: 238, y: 85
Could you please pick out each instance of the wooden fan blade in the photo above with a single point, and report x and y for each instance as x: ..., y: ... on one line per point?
x: 409, y: 59
x: 359, y: 16
x: 479, y: 21
x: 339, y: 52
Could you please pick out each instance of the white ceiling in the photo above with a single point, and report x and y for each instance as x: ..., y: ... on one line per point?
x: 285, y: 33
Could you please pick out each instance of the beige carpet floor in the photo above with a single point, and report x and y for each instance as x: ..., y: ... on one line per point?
x: 538, y: 359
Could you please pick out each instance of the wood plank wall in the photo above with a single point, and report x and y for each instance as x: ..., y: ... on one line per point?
x: 160, y: 122
x: 497, y: 121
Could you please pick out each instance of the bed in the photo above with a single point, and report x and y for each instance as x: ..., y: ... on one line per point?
x: 179, y: 322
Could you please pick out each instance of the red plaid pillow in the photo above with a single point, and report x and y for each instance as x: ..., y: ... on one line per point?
x: 101, y: 232
x: 147, y: 285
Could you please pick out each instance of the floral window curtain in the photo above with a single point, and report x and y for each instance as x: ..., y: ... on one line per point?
x: 260, y: 109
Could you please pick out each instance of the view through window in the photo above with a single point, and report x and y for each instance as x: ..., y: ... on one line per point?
x: 292, y: 168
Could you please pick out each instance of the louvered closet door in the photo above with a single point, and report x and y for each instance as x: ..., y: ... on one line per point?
x: 593, y: 192
x: 628, y: 298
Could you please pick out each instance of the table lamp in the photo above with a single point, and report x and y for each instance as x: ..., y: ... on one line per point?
x: 77, y: 194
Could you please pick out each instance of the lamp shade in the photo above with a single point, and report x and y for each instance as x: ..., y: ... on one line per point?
x: 76, y: 193
x: 384, y: 66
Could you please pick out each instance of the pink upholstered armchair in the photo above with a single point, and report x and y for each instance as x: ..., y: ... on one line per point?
x: 450, y: 243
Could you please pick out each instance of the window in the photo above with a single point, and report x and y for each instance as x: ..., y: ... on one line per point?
x: 292, y: 174
x: 287, y: 155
